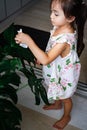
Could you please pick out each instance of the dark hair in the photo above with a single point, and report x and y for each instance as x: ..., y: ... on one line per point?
x: 78, y: 9
x: 80, y: 21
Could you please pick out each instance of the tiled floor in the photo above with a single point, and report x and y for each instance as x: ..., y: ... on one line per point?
x: 33, y: 120
x: 37, y: 16
x: 79, y: 112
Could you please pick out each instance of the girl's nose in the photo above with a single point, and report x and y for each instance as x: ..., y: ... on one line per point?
x: 51, y: 15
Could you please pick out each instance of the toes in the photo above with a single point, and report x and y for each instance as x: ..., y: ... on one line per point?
x: 45, y: 107
x: 56, y: 126
x: 62, y: 123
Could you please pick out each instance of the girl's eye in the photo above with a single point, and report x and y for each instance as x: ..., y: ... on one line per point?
x: 56, y: 14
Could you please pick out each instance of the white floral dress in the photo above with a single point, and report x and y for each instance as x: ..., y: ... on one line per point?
x: 62, y: 75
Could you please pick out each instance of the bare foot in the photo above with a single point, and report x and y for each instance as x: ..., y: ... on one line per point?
x: 61, y: 124
x: 52, y: 107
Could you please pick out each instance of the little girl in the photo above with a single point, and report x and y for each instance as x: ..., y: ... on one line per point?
x: 61, y: 65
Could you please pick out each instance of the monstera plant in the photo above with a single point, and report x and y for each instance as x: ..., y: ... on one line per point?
x: 12, y: 61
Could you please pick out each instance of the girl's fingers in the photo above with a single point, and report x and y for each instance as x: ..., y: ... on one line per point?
x: 17, y: 41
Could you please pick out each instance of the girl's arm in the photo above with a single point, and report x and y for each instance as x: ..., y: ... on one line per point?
x: 43, y: 57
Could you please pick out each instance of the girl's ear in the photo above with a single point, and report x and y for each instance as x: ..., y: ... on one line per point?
x: 71, y: 19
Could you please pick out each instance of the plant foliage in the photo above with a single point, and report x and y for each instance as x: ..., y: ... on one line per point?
x: 12, y: 60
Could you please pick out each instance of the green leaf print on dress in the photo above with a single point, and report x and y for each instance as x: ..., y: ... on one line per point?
x: 58, y: 38
x: 48, y: 75
x: 52, y: 80
x: 59, y: 68
x: 59, y: 80
x: 73, y: 47
x: 68, y: 61
x: 76, y: 62
x: 64, y: 88
x: 70, y: 84
x: 48, y: 65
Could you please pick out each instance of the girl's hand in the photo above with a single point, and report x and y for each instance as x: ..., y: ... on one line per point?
x: 23, y: 38
x: 37, y: 62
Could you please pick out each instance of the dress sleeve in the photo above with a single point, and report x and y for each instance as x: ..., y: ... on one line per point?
x: 62, y: 39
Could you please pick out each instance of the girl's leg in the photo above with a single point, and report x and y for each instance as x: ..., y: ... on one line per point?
x: 56, y: 105
x: 66, y: 117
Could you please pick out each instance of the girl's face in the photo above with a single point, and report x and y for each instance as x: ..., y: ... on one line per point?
x: 57, y: 16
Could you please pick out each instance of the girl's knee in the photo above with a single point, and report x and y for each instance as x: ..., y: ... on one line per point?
x: 67, y: 100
